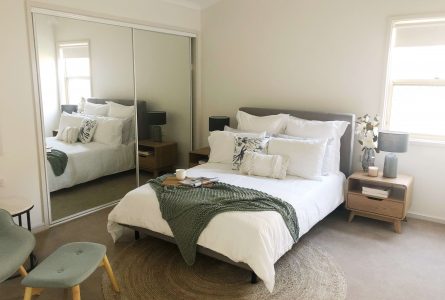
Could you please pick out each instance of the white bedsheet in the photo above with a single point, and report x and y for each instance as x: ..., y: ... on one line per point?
x: 89, y: 161
x: 258, y: 239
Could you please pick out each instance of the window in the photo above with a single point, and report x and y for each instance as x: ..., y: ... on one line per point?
x: 415, y: 91
x: 74, y: 72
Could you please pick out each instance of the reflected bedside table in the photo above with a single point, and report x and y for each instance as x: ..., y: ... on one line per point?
x: 392, y: 209
x: 162, y: 156
x: 197, y: 155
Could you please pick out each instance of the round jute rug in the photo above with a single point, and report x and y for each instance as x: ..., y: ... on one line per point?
x: 154, y: 269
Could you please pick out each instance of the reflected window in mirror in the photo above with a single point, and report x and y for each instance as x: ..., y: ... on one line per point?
x: 74, y: 71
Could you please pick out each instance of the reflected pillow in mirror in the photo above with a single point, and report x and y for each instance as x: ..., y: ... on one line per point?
x: 69, y: 135
x: 68, y: 120
x: 120, y: 111
x: 108, y: 131
x: 87, y: 129
x: 95, y: 109
x: 265, y: 165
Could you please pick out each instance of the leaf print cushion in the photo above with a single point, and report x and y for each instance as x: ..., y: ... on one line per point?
x: 87, y: 129
x: 243, y: 144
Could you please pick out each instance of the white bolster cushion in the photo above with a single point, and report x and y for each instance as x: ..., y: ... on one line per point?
x: 265, y: 165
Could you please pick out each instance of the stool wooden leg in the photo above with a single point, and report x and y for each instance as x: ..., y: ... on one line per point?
x: 76, y: 292
x: 107, y: 267
x: 22, y: 271
x: 28, y: 293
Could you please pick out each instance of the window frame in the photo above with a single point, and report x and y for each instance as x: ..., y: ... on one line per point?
x: 61, y: 70
x: 390, y: 84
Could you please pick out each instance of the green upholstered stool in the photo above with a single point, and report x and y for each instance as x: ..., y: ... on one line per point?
x: 67, y: 267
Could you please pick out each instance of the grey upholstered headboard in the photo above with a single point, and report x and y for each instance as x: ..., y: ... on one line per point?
x: 347, y: 141
x: 143, y: 131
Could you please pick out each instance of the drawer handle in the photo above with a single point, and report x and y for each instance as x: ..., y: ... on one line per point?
x: 374, y: 198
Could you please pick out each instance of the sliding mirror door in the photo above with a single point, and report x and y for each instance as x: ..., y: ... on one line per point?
x: 85, y: 72
x: 163, y: 81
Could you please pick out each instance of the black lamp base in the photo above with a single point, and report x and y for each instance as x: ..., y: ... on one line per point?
x: 156, y: 133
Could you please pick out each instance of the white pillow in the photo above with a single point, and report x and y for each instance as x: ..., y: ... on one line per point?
x: 68, y: 120
x: 305, y: 156
x: 222, y: 145
x: 265, y: 165
x: 327, y: 160
x: 108, y: 131
x: 95, y: 109
x: 120, y: 111
x: 321, y: 130
x: 70, y: 135
x: 273, y: 124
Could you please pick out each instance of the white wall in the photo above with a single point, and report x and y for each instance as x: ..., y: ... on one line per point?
x: 312, y: 55
x: 19, y: 157
x: 48, y: 74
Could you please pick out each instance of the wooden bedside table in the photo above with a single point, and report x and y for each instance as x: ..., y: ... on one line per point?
x: 392, y: 209
x: 162, y: 156
x: 199, y: 154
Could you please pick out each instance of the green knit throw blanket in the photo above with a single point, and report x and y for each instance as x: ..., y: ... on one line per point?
x: 188, y: 210
x: 58, y: 161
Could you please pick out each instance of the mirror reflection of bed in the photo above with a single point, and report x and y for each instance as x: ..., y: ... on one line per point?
x: 99, y: 171
x: 90, y: 74
x: 78, y: 59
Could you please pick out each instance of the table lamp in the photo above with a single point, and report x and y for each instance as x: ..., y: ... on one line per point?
x: 393, y: 142
x: 155, y: 119
x: 218, y: 122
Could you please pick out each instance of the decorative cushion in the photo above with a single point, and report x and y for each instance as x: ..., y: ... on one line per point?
x: 243, y: 144
x: 69, y: 135
x: 68, y: 120
x: 87, y: 129
x: 265, y: 165
x: 222, y: 145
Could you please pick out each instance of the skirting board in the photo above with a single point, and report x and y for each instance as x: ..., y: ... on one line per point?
x: 426, y: 218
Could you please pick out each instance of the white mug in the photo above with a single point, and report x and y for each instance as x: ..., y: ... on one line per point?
x: 181, y: 174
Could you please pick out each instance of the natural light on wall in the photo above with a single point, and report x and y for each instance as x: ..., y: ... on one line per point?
x: 74, y: 72
x: 415, y: 95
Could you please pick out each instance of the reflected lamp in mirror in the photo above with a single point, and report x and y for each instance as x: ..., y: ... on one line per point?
x: 155, y: 119
x: 392, y: 142
x: 68, y: 108
x: 218, y: 122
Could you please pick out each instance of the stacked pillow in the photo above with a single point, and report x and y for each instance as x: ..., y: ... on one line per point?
x: 110, y: 124
x: 304, y: 148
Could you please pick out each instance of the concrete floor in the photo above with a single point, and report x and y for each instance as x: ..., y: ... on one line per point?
x: 378, y: 263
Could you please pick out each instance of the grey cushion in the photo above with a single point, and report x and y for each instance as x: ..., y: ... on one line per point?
x: 68, y: 266
x: 16, y: 243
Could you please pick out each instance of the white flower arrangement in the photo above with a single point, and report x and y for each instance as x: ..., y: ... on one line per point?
x: 368, y: 132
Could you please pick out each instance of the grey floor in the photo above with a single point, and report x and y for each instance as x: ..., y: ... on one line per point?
x: 378, y: 263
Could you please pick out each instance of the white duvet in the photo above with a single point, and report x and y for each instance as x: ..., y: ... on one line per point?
x: 258, y: 239
x: 89, y: 161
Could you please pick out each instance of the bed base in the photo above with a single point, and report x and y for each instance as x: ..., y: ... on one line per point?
x: 199, y: 249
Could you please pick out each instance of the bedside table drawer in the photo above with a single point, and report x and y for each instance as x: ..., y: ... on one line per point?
x: 147, y: 162
x: 382, y: 207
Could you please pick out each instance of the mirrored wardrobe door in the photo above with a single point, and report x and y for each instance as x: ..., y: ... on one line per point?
x: 163, y: 81
x: 85, y: 72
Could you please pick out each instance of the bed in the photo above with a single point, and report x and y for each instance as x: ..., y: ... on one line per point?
x: 93, y: 160
x: 251, y: 240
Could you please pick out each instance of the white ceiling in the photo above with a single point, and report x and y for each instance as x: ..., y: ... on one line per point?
x: 195, y: 4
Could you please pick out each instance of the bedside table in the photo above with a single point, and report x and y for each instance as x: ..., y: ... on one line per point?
x: 199, y: 154
x: 162, y: 156
x: 392, y: 209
